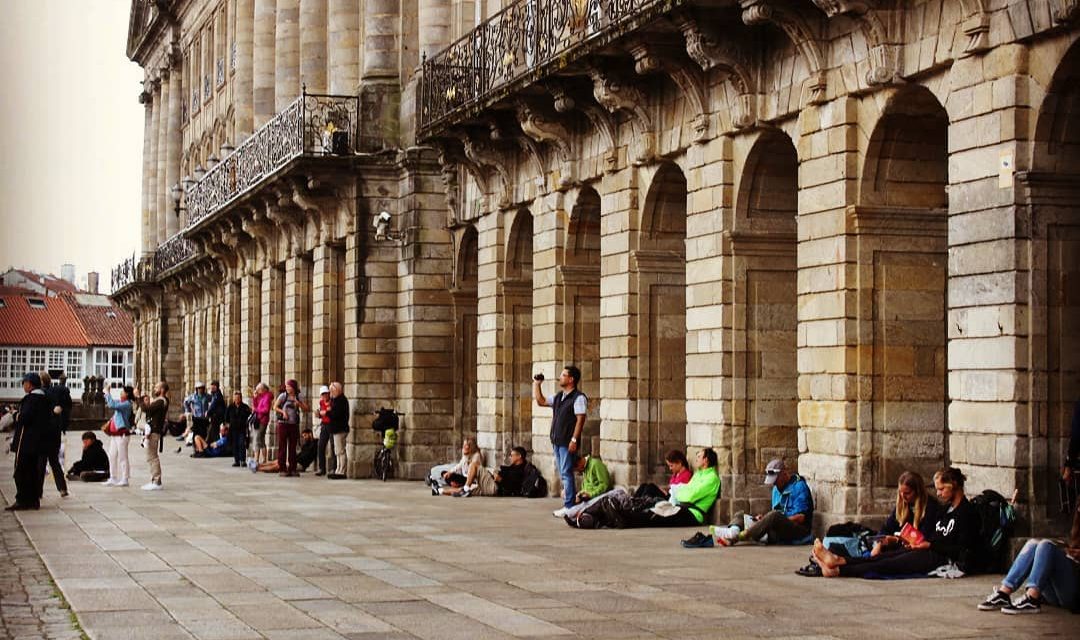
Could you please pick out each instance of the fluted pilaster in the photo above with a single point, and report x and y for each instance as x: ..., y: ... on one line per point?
x: 287, y: 53
x: 344, y: 47
x: 313, y: 45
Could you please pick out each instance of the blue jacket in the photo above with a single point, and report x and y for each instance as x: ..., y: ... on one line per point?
x: 196, y: 404
x: 122, y: 416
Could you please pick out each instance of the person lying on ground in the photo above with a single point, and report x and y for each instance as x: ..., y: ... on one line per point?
x: 788, y: 522
x: 271, y: 466
x: 215, y: 449
x: 468, y: 477
x: 686, y: 507
x: 680, y: 474
x: 94, y: 465
x: 954, y: 540
x: 1048, y: 571
x: 595, y: 479
x: 914, y: 506
x: 309, y: 449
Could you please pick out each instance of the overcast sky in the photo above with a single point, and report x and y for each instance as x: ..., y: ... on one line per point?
x: 70, y: 136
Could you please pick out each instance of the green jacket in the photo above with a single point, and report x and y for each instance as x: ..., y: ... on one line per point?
x: 596, y: 479
x: 700, y: 493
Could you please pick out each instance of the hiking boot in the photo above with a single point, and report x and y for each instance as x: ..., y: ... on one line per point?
x: 1027, y: 604
x: 698, y: 541
x: 995, y: 600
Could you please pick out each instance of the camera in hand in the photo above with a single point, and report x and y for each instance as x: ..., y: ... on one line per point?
x: 539, y: 377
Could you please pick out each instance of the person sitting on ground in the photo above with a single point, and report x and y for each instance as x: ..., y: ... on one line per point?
x: 468, y: 477
x: 680, y: 470
x: 955, y: 538
x: 595, y: 478
x: 518, y: 478
x: 788, y: 522
x: 1052, y: 574
x: 94, y: 465
x: 309, y: 449
x: 215, y: 449
x: 914, y: 506
x: 686, y: 507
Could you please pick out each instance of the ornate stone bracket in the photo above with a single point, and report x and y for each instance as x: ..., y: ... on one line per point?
x: 484, y: 157
x: 1065, y: 11
x: 652, y: 58
x: 540, y: 127
x: 976, y: 26
x: 727, y: 56
x: 616, y: 94
x: 799, y: 31
x: 451, y: 184
x: 599, y: 118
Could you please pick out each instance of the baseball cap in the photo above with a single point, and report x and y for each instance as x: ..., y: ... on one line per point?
x: 199, y: 385
x: 33, y: 378
x: 773, y: 469
x: 324, y: 389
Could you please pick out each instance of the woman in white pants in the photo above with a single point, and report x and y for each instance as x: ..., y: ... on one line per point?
x: 119, y: 427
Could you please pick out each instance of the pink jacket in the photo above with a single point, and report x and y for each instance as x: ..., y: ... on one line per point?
x: 261, y: 406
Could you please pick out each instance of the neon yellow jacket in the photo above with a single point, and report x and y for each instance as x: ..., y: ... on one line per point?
x: 700, y: 493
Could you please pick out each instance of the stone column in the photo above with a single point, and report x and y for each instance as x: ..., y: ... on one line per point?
x: 380, y: 94
x: 325, y: 311
x: 434, y: 29
x: 230, y: 369
x: 161, y: 188
x: 490, y: 336
x: 251, y: 345
x: 273, y: 315
x: 313, y: 45
x: 287, y: 53
x: 380, y: 38
x: 263, y: 59
x: 173, y: 150
x: 343, y: 52
x: 242, y: 88
x: 298, y: 325
x: 148, y: 239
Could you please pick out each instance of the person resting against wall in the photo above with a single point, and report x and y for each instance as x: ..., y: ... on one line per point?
x: 520, y: 478
x: 681, y: 473
x: 954, y: 540
x: 788, y: 522
x: 468, y: 477
x: 685, y: 507
x: 94, y: 465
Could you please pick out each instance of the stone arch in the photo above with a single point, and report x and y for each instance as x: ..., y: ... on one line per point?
x: 764, y: 331
x: 658, y: 267
x: 580, y: 304
x: 1052, y: 197
x: 517, y: 309
x: 466, y: 277
x: 900, y: 227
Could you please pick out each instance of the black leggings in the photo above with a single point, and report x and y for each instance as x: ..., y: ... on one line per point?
x: 650, y: 490
x: 894, y: 563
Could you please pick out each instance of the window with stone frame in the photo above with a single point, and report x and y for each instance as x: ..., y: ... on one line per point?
x: 5, y: 373
x: 38, y: 359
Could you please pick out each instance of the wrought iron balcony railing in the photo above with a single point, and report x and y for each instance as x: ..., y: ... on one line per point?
x: 134, y: 269
x: 313, y: 125
x: 172, y: 253
x: 518, y: 41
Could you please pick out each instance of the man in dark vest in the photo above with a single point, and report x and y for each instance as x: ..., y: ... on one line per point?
x: 568, y: 409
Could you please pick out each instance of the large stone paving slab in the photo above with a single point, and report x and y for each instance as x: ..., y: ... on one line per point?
x: 225, y: 554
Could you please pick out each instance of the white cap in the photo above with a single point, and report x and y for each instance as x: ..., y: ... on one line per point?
x: 324, y: 389
x: 199, y: 383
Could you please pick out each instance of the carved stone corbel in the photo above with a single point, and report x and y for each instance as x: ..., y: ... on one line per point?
x: 801, y: 34
x: 976, y: 26
x: 451, y: 184
x: 486, y: 158
x: 617, y: 94
x: 540, y: 127
x: 652, y: 58
x: 727, y: 56
x: 1065, y: 11
x: 599, y: 118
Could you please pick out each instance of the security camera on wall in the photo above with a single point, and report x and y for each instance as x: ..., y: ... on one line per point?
x: 381, y: 222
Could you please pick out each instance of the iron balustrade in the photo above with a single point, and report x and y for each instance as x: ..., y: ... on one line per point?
x: 172, y: 253
x: 313, y: 125
x: 515, y: 42
x: 134, y: 269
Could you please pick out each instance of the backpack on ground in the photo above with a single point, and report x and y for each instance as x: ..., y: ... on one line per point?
x: 849, y: 540
x: 996, y: 518
x: 533, y: 484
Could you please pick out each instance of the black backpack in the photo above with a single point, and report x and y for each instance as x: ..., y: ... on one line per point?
x: 533, y: 484
x: 996, y: 518
x: 386, y: 419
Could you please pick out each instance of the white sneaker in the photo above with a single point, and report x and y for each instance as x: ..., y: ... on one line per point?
x: 558, y: 513
x: 151, y: 486
x: 121, y: 483
x: 110, y: 483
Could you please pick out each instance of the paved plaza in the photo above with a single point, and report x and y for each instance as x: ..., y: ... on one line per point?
x: 223, y: 554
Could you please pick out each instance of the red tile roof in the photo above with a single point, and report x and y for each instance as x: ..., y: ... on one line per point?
x: 50, y: 282
x: 103, y: 323
x: 53, y: 326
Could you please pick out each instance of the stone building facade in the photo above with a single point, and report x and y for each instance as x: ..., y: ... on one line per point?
x: 835, y: 231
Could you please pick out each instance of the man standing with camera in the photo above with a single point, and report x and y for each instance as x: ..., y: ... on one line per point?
x: 568, y: 409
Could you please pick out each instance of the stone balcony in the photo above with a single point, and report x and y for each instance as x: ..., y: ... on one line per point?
x: 526, y: 42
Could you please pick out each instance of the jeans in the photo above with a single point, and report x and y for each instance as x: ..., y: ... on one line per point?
x: 52, y: 460
x: 325, y: 440
x: 1047, y: 569
x: 564, y: 464
x: 774, y: 524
